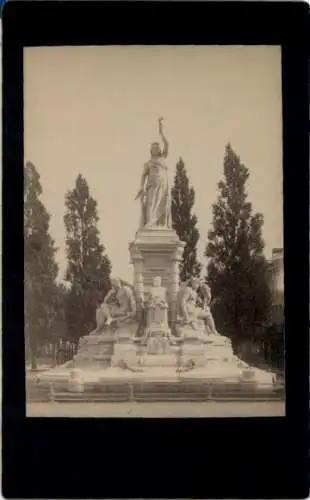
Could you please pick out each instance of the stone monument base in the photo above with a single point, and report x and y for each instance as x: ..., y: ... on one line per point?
x: 158, y: 384
x: 95, y: 351
x: 106, y: 364
x: 101, y: 350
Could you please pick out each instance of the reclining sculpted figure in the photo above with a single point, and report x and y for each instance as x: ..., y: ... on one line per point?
x: 206, y: 306
x: 119, y: 306
x: 189, y: 312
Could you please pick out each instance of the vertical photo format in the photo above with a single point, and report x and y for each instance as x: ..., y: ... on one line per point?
x: 153, y: 231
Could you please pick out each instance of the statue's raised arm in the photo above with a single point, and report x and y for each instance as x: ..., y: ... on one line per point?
x: 164, y: 139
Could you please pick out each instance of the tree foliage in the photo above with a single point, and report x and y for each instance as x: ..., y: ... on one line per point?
x: 237, y: 269
x: 184, y: 221
x: 88, y: 268
x: 40, y: 268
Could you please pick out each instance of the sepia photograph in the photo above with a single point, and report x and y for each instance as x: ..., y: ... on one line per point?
x: 153, y: 231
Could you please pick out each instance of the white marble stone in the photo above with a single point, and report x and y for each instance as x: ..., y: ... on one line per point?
x: 125, y: 352
x: 157, y: 252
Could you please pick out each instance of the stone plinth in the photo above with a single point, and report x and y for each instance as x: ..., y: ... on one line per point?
x: 202, y: 349
x: 192, y: 350
x: 124, y: 348
x: 95, y: 350
x: 218, y: 348
x: 157, y: 252
x: 192, y: 347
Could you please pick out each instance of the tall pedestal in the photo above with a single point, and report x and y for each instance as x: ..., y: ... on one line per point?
x: 157, y: 252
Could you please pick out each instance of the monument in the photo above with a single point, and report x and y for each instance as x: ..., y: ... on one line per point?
x: 155, y: 330
x: 156, y: 250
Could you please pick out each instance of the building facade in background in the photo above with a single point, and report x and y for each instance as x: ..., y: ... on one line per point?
x: 277, y: 285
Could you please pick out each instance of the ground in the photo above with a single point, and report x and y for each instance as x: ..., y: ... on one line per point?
x: 164, y: 410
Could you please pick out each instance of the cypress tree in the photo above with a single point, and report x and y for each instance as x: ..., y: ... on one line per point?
x: 184, y: 221
x: 40, y: 268
x: 88, y: 269
x: 237, y: 269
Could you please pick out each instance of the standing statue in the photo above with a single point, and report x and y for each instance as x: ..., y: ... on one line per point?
x: 154, y: 191
x: 189, y: 312
x: 119, y: 306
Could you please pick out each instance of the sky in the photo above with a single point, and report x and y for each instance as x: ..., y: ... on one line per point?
x: 93, y: 110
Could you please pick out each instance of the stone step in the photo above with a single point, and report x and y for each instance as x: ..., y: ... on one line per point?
x: 154, y: 397
x: 74, y: 397
x: 115, y: 391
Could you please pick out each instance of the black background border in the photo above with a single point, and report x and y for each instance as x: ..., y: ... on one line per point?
x: 142, y: 458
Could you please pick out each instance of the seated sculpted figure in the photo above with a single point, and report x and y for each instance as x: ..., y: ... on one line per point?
x: 158, y: 292
x: 206, y: 302
x: 189, y: 313
x: 157, y: 303
x: 119, y: 305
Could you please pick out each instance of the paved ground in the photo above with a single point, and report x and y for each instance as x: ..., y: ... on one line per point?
x: 164, y: 410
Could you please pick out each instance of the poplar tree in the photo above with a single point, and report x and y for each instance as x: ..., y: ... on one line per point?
x: 184, y: 221
x: 237, y: 269
x: 40, y: 268
x: 88, y: 268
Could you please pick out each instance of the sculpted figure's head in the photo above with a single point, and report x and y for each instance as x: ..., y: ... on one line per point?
x: 155, y: 150
x: 116, y: 283
x: 195, y: 283
x: 157, y: 281
x: 204, y: 288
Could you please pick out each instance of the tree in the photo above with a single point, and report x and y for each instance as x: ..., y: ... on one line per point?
x: 57, y: 324
x: 184, y: 221
x: 40, y: 268
x: 88, y: 269
x: 237, y: 269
